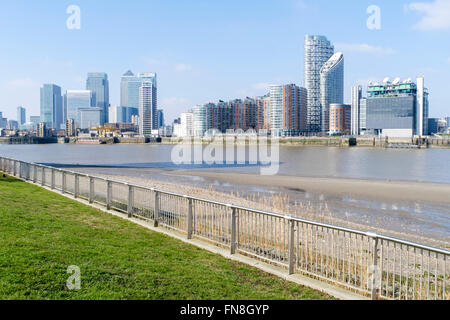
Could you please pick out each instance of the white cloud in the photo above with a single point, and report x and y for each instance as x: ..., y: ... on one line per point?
x: 183, y: 67
x: 436, y: 15
x: 364, y: 48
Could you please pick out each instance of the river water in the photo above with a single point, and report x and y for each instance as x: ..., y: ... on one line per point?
x: 422, y: 218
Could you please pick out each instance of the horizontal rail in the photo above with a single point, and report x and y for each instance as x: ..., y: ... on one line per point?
x: 348, y: 257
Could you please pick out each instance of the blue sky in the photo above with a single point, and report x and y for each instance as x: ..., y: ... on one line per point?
x: 206, y: 50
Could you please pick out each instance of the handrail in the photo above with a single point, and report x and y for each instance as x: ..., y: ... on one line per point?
x: 272, y: 214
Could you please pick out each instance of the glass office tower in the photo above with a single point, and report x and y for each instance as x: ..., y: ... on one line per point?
x: 76, y: 100
x: 130, y: 85
x: 318, y: 50
x: 51, y: 106
x: 21, y: 116
x: 98, y: 84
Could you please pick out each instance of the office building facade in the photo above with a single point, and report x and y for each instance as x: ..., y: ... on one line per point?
x: 318, y: 50
x: 75, y: 100
x: 398, y: 109
x: 51, y: 106
x: 98, y: 84
x: 130, y: 85
x: 21, y: 115
x: 90, y: 117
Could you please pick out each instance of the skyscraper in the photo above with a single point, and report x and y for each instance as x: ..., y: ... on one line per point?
x: 51, y: 106
x: 148, y: 116
x: 160, y: 118
x: 288, y: 110
x: 98, y: 84
x: 124, y: 88
x: 421, y: 107
x: 200, y: 119
x: 318, y: 50
x: 331, y: 87
x: 76, y: 100
x: 129, y: 87
x: 21, y: 115
x: 356, y: 110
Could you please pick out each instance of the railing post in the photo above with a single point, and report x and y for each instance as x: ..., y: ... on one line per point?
x: 91, y: 190
x: 20, y: 169
x: 233, y: 230
x: 53, y: 179
x: 43, y: 177
x: 29, y: 171
x: 63, y: 182
x: 156, y: 213
x: 130, y: 201
x: 291, y: 246
x: 76, y: 191
x: 108, y: 194
x: 373, y: 280
x: 14, y: 168
x: 190, y: 218
x: 34, y: 173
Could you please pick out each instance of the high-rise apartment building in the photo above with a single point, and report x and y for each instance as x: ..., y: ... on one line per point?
x: 21, y: 115
x: 200, y: 119
x: 148, y: 116
x: 98, y: 84
x: 263, y: 113
x: 51, y: 106
x: 288, y: 105
x: 356, y: 110
x: 186, y: 125
x: 318, y: 50
x: 331, y: 87
x: 76, y: 100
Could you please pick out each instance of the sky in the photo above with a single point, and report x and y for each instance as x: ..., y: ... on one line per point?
x: 207, y: 50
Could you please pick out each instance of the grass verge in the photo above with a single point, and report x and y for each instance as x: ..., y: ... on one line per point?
x: 43, y: 233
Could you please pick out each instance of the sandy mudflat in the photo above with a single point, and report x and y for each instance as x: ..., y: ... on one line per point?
x: 371, y: 189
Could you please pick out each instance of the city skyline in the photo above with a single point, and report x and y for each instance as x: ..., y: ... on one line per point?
x: 190, y: 75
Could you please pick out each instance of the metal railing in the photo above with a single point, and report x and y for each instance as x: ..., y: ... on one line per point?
x: 369, y: 264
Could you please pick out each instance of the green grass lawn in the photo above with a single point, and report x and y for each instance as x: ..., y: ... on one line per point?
x: 42, y: 233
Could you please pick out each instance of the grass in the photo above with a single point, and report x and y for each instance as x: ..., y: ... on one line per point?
x: 43, y: 233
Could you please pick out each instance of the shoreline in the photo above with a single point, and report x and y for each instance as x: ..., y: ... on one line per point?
x: 371, y: 188
x: 282, y: 203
